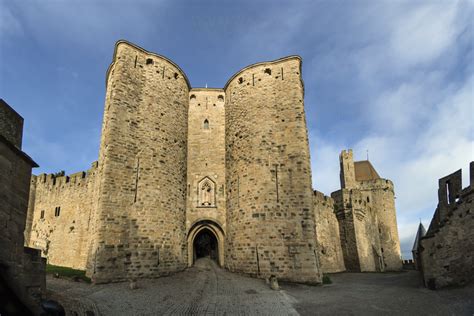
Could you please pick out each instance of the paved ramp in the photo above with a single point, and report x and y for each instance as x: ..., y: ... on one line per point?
x: 204, y: 289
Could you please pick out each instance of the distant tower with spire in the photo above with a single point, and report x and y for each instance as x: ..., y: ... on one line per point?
x: 415, y: 250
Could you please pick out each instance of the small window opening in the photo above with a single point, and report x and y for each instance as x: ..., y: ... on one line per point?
x: 57, y: 211
x: 368, y: 199
x: 220, y: 98
x: 448, y: 193
x: 268, y: 71
x: 241, y: 80
x: 206, y: 124
x: 176, y: 75
x: 42, y: 214
x: 149, y: 61
x: 192, y: 97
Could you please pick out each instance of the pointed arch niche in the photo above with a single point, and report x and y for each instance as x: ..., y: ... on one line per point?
x: 206, y: 193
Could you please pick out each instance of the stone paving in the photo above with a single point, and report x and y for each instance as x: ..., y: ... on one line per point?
x: 205, y: 289
x: 397, y: 293
x: 202, y: 289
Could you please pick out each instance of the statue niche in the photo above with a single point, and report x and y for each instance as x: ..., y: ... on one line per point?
x: 206, y: 193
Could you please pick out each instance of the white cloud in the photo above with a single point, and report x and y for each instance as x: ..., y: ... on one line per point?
x: 422, y: 34
x: 324, y: 164
x: 417, y: 121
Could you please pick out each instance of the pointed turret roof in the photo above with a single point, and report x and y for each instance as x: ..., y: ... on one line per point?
x: 364, y: 171
x: 419, y: 234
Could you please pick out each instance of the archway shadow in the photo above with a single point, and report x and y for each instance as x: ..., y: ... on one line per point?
x: 206, y: 239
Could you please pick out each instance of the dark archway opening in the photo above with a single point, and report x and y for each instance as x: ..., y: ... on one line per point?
x: 205, y: 245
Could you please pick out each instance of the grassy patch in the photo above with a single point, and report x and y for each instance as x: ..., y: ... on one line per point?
x: 67, y: 273
x: 326, y: 279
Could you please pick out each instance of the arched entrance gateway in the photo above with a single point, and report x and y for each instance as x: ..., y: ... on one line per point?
x: 206, y: 239
x: 205, y: 245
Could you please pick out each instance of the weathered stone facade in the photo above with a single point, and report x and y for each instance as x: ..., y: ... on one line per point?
x: 206, y: 201
x: 327, y: 234
x: 181, y: 169
x: 61, y: 225
x: 365, y: 208
x: 447, y: 249
x: 22, y: 270
x: 270, y: 223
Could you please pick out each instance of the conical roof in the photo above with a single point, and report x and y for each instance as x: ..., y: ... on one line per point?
x: 419, y: 234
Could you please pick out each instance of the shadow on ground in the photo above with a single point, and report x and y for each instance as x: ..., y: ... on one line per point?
x: 207, y: 289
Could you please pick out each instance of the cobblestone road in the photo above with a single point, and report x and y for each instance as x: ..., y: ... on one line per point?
x: 205, y: 289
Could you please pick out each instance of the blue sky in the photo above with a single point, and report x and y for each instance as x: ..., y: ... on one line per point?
x: 392, y: 77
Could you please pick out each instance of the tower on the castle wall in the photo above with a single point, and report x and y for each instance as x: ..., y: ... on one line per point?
x: 365, y: 207
x: 140, y: 229
x: 347, y: 170
x: 206, y: 204
x: 270, y: 219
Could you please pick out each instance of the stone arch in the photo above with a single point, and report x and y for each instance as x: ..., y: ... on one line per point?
x: 212, y: 227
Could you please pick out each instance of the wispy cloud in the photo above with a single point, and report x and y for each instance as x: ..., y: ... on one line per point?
x: 414, y: 116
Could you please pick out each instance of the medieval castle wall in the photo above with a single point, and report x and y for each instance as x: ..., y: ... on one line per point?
x: 446, y: 249
x: 61, y: 224
x: 175, y: 162
x: 270, y: 222
x: 327, y: 234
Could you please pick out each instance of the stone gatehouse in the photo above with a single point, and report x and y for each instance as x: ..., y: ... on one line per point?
x: 187, y: 172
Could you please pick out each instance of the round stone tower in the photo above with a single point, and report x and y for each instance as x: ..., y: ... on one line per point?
x: 270, y: 223
x: 140, y: 220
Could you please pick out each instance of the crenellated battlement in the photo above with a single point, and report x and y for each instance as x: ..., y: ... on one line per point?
x: 50, y: 180
x: 321, y: 198
x: 377, y: 184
